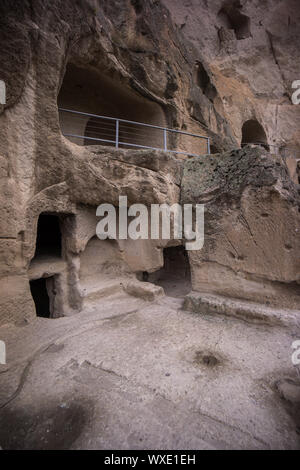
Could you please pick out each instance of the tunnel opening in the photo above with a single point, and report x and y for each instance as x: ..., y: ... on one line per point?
x: 46, y: 294
x: 98, y: 96
x: 175, y: 276
x: 230, y: 17
x: 48, y: 239
x: 39, y: 292
x: 253, y: 133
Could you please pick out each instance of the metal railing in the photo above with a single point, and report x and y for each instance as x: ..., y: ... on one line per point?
x: 88, y: 128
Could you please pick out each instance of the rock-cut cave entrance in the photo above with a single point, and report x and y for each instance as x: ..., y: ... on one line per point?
x: 47, y: 268
x: 48, y: 239
x: 87, y: 91
x: 253, y: 133
x: 40, y: 293
x: 175, y: 275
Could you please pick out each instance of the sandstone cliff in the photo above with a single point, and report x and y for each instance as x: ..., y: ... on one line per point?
x: 219, y: 69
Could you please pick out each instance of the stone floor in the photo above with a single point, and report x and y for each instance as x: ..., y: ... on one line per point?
x: 130, y: 374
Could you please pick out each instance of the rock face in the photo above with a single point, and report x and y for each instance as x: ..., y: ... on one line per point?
x: 136, y: 60
x: 252, y: 224
x: 93, y: 178
x: 248, y: 49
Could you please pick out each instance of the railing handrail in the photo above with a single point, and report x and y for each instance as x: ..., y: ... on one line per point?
x: 134, y: 122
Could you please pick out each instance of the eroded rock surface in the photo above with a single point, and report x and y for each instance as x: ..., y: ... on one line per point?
x: 252, y: 225
x: 223, y: 71
x: 96, y: 358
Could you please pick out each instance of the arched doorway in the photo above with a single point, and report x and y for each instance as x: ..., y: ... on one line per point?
x: 253, y: 133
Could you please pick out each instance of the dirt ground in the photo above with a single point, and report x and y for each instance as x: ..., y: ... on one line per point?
x: 130, y: 374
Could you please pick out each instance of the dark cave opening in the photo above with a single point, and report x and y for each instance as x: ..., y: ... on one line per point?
x: 253, y: 133
x: 175, y: 275
x: 89, y: 92
x: 204, y: 82
x: 40, y: 297
x: 48, y: 239
x: 202, y: 76
x: 214, y: 149
x: 138, y: 6
x: 230, y: 17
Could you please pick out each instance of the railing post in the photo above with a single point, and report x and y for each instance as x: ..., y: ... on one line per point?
x: 208, y: 146
x: 117, y: 133
x: 165, y: 140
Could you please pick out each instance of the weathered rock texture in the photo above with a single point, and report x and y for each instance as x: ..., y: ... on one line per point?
x: 252, y: 223
x: 217, y: 67
x: 249, y: 50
